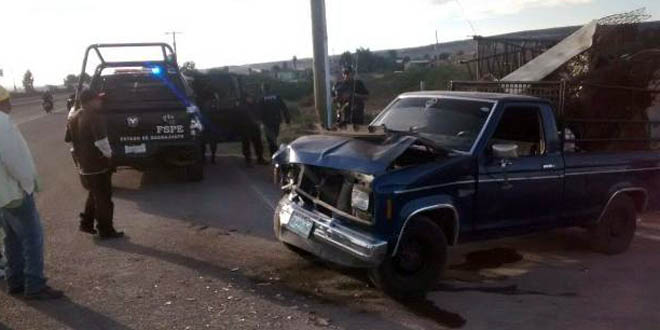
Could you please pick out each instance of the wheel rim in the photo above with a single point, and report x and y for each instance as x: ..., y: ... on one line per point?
x: 411, y: 257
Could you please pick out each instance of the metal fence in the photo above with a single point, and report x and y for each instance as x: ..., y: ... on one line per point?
x: 588, y: 131
x: 553, y: 91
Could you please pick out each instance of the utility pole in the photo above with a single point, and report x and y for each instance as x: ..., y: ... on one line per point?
x: 173, y: 33
x: 321, y: 65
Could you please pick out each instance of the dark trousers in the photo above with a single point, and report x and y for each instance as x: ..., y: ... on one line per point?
x: 24, y: 246
x: 252, y: 135
x: 272, y: 132
x: 213, y: 146
x: 99, y: 204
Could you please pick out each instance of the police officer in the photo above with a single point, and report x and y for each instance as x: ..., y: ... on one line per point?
x: 349, y: 95
x: 273, y: 110
x: 91, y: 149
x: 248, y: 122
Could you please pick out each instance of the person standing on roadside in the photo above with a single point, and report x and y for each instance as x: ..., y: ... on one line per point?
x: 349, y: 95
x: 19, y: 218
x: 92, y: 153
x: 249, y: 115
x: 273, y: 110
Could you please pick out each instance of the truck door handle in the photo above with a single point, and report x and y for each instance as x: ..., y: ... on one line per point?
x: 504, y: 163
x: 548, y: 166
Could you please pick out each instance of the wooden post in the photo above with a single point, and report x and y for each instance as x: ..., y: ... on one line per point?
x: 321, y: 65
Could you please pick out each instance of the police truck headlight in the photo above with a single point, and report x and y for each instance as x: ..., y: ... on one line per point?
x: 360, y: 199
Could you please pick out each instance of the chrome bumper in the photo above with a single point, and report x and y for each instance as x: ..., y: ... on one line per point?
x: 331, y: 240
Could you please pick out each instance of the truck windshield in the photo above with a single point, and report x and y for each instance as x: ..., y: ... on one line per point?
x: 126, y: 85
x: 452, y: 123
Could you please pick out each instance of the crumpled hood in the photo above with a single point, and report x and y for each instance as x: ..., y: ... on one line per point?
x: 344, y: 153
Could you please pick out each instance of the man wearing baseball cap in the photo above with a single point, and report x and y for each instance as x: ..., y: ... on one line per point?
x: 91, y: 149
x: 19, y: 217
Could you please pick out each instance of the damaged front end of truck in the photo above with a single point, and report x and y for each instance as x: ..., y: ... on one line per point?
x: 329, y: 206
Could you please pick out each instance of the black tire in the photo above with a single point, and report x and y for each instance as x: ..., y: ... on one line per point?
x: 614, y: 233
x: 195, y: 172
x: 402, y: 276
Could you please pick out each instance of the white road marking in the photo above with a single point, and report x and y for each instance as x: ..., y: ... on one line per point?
x: 37, y: 116
x: 263, y: 197
x: 648, y: 236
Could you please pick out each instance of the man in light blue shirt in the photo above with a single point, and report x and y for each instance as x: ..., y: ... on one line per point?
x: 19, y: 218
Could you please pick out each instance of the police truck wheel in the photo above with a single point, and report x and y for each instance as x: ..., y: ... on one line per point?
x: 418, y: 263
x: 195, y: 172
x: 616, y: 229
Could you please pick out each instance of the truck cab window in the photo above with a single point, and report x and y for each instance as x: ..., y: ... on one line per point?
x: 523, y: 127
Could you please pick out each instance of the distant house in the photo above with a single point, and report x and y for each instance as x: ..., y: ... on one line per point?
x: 418, y: 64
x: 292, y: 75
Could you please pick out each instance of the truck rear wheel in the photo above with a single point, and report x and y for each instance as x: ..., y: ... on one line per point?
x: 614, y: 233
x: 194, y: 172
x: 418, y: 263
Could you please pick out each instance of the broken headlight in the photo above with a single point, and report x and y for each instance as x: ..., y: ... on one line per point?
x: 360, y: 199
x: 361, y: 194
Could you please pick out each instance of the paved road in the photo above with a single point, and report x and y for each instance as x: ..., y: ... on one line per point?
x: 202, y: 255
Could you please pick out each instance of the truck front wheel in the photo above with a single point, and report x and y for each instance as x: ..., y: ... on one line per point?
x: 614, y: 233
x: 418, y: 263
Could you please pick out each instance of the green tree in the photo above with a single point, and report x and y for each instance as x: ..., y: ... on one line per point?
x: 444, y: 56
x: 71, y: 81
x: 28, y: 82
x: 346, y: 59
x: 392, y: 54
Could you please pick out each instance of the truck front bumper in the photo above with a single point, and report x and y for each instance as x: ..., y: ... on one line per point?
x: 328, y: 238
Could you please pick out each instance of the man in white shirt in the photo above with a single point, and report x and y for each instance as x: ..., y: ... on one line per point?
x: 19, y: 218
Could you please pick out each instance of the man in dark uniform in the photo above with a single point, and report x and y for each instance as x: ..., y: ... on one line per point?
x: 91, y: 149
x: 273, y: 110
x: 349, y: 96
x: 250, y: 132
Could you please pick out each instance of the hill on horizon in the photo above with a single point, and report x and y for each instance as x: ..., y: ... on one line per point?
x: 467, y: 46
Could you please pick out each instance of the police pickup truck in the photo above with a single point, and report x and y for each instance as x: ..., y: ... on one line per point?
x: 147, y: 106
x: 450, y: 167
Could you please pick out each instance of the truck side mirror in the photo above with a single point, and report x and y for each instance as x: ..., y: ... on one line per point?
x: 505, y: 151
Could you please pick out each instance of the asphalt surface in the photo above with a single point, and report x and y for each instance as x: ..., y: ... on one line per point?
x: 203, y: 256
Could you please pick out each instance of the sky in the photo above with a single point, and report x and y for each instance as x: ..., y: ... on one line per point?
x: 49, y: 37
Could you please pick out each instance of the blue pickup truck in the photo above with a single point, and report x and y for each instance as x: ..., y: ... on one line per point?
x: 439, y: 168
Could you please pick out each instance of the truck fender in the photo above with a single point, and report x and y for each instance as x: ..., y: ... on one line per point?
x: 426, y: 205
x: 638, y: 194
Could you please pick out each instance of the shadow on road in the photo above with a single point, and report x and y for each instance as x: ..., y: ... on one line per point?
x: 280, y: 294
x: 231, y: 197
x: 76, y: 316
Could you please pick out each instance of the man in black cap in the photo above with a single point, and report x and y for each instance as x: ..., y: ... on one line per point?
x: 273, y: 110
x: 349, y: 95
x: 91, y: 149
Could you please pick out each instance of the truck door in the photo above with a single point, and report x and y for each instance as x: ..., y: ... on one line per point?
x: 523, y: 188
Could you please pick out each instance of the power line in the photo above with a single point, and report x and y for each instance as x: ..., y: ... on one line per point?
x: 474, y: 31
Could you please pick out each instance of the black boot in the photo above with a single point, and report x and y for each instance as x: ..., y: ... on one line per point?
x: 110, y: 234
x: 86, y: 224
